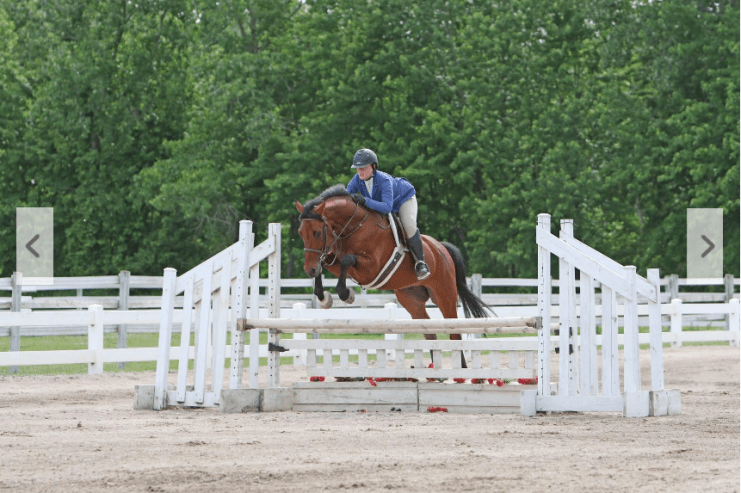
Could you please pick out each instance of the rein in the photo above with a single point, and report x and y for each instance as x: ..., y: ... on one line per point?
x: 337, y: 236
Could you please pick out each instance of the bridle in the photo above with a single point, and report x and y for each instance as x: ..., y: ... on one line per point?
x: 337, y: 236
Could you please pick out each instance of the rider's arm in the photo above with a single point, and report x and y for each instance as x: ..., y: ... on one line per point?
x: 386, y: 203
x: 352, y: 187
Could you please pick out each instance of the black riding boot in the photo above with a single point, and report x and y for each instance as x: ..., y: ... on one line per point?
x: 418, y: 252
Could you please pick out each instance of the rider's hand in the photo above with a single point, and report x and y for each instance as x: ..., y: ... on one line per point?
x: 358, y: 198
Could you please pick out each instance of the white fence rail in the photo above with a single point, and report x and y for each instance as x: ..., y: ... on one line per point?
x: 95, y: 318
x: 125, y: 282
x: 504, y: 304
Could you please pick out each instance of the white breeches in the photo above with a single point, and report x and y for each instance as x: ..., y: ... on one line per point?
x: 408, y: 216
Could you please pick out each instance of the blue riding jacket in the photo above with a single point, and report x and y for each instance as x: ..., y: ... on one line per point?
x: 389, y: 192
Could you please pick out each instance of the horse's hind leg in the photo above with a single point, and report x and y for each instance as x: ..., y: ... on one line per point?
x: 413, y: 299
x: 449, y: 308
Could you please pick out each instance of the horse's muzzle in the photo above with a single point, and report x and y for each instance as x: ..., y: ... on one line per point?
x: 313, y: 271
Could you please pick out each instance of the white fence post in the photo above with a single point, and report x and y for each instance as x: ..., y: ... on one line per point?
x: 676, y: 322
x: 589, y: 384
x: 95, y: 340
x: 185, y: 331
x: 610, y: 348
x: 124, y: 280
x: 734, y: 321
x: 544, y: 311
x: 568, y: 372
x: 673, y: 287
x: 477, y: 289
x: 219, y: 323
x: 390, y: 309
x: 239, y: 309
x: 254, y: 270
x: 728, y: 282
x: 163, y: 352
x: 631, y: 347
x: 300, y: 358
x: 654, y: 324
x: 274, y: 304
x: 16, y: 284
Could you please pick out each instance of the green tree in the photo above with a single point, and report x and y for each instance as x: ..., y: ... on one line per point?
x: 109, y: 85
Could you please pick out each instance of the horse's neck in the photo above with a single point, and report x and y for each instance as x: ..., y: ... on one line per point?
x: 338, y: 213
x: 371, y: 242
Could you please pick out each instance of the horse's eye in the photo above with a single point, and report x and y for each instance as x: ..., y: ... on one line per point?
x: 317, y: 234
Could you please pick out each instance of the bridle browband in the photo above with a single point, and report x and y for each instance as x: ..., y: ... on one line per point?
x: 337, y: 236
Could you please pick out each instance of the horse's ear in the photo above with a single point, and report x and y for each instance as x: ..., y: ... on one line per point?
x: 299, y: 207
x: 319, y: 209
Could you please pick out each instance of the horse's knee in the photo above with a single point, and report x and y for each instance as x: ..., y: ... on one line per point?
x: 347, y: 261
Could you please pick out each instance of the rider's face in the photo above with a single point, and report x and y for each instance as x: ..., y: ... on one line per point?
x: 366, y: 172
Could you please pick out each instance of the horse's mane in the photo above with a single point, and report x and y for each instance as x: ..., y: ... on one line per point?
x: 338, y: 190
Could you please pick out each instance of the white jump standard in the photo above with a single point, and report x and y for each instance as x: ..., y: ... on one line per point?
x: 578, y: 383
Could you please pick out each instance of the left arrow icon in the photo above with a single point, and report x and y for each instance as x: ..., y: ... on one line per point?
x: 28, y: 245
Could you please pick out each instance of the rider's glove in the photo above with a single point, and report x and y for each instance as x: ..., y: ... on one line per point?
x: 358, y: 198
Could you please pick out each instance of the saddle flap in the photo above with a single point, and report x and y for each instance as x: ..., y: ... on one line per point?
x: 397, y: 229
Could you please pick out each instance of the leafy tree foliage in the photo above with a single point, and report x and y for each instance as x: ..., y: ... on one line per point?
x: 152, y: 127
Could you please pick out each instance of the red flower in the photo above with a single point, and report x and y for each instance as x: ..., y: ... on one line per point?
x: 316, y: 379
x: 459, y: 380
x: 437, y: 409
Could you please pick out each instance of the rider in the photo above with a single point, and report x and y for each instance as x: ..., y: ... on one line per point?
x: 385, y: 193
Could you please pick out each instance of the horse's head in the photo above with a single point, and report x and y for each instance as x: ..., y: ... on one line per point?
x: 319, y: 218
x: 314, y: 234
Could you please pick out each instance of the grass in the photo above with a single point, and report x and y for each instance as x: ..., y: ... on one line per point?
x: 52, y: 343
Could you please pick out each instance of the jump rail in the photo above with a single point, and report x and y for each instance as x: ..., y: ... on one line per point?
x: 426, y: 326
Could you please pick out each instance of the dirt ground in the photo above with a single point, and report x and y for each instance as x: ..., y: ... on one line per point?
x: 80, y: 433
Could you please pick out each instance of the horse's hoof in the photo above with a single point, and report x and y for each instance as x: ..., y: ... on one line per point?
x: 350, y: 297
x: 326, y: 303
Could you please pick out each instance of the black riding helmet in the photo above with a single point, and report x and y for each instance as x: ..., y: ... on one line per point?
x: 363, y: 158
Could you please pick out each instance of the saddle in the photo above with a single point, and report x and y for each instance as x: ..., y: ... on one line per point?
x: 401, y: 239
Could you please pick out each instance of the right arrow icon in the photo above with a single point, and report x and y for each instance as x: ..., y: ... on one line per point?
x: 710, y: 248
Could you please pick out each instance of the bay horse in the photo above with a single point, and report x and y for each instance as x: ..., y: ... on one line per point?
x: 355, y: 241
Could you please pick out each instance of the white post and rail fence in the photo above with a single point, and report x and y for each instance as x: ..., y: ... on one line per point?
x: 231, y: 284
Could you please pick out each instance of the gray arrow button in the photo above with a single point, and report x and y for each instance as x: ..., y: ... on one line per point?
x: 712, y: 245
x: 704, y: 255
x: 35, y: 258
x: 36, y: 254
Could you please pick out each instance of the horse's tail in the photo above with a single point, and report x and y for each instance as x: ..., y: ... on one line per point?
x: 473, y: 307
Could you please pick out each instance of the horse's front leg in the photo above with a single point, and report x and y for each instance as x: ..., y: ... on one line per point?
x: 346, y: 294
x: 325, y: 299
